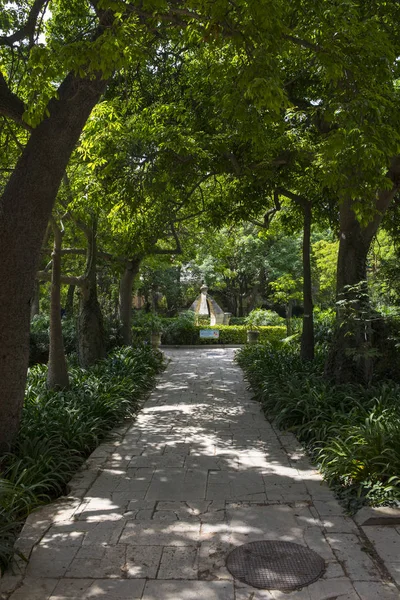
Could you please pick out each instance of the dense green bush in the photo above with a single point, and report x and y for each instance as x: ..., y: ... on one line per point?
x: 237, y: 321
x: 59, y: 429
x: 39, y: 337
x: 261, y: 317
x: 352, y: 432
x: 324, y: 325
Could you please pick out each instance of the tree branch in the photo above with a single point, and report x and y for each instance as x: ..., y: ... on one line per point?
x: 269, y: 215
x: 292, y: 196
x: 176, y: 250
x: 11, y: 105
x: 69, y: 280
x: 28, y: 30
x: 82, y: 252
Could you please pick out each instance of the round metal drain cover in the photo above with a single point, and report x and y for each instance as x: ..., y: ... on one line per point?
x: 275, y: 565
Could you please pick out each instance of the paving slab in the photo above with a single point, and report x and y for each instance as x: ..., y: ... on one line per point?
x: 154, y: 512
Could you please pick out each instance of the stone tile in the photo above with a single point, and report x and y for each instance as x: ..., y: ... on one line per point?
x: 180, y: 562
x: 350, y: 551
x: 328, y: 508
x: 316, y: 540
x: 333, y: 570
x: 339, y: 525
x: 35, y: 589
x: 142, y: 561
x: 105, y: 533
x: 245, y: 592
x: 108, y: 589
x: 271, y: 522
x: 332, y: 588
x: 394, y: 570
x: 379, y: 515
x: 376, y: 591
x: 112, y: 564
x: 72, y: 588
x: 177, y: 484
x: 50, y: 562
x: 212, y: 558
x: 234, y: 485
x: 152, y: 533
x: 188, y: 590
x: 386, y: 541
x: 156, y: 461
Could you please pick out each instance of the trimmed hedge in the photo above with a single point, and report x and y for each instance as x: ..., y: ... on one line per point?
x: 237, y: 334
x: 178, y: 332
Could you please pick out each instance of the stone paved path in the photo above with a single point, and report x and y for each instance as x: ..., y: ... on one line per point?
x: 156, y: 511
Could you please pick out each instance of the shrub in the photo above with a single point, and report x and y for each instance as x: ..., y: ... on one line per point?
x: 352, y: 432
x: 261, y: 317
x: 237, y: 321
x: 181, y: 330
x: 59, y: 429
x: 324, y: 326
x: 184, y: 332
x: 39, y: 337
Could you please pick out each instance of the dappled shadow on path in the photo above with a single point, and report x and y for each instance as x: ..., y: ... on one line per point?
x: 199, y: 472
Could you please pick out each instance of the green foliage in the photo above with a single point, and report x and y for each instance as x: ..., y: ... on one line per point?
x: 324, y: 255
x: 324, y: 326
x: 352, y: 432
x: 183, y: 331
x: 39, y: 337
x: 261, y: 317
x: 59, y: 429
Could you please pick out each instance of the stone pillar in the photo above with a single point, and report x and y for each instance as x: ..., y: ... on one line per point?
x: 227, y: 318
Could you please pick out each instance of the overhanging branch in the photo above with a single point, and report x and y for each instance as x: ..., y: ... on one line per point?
x: 11, y: 105
x: 28, y: 30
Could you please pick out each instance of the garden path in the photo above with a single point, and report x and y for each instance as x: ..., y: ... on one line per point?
x: 156, y: 510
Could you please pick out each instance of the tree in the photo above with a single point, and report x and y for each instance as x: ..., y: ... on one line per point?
x: 57, y: 374
x: 68, y: 74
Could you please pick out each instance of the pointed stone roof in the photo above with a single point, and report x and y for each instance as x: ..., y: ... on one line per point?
x: 205, y: 306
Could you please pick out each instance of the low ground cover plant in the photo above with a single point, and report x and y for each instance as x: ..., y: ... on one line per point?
x: 351, y: 432
x: 60, y: 429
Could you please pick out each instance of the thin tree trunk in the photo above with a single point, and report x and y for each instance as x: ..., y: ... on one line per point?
x: 125, y: 299
x: 57, y: 373
x: 35, y: 304
x: 307, y: 337
x: 69, y: 304
x: 241, y: 312
x: 289, y: 315
x: 91, y: 342
x: 25, y: 208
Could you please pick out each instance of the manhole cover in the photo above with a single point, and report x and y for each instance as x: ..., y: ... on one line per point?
x: 275, y: 565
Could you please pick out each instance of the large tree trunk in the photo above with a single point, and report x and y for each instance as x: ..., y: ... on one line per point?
x: 348, y: 360
x: 57, y: 373
x: 91, y: 342
x: 350, y: 357
x: 125, y: 299
x: 307, y: 337
x: 25, y: 208
x: 35, y: 303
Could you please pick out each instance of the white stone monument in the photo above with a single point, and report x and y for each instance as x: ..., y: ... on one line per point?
x: 206, y: 306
